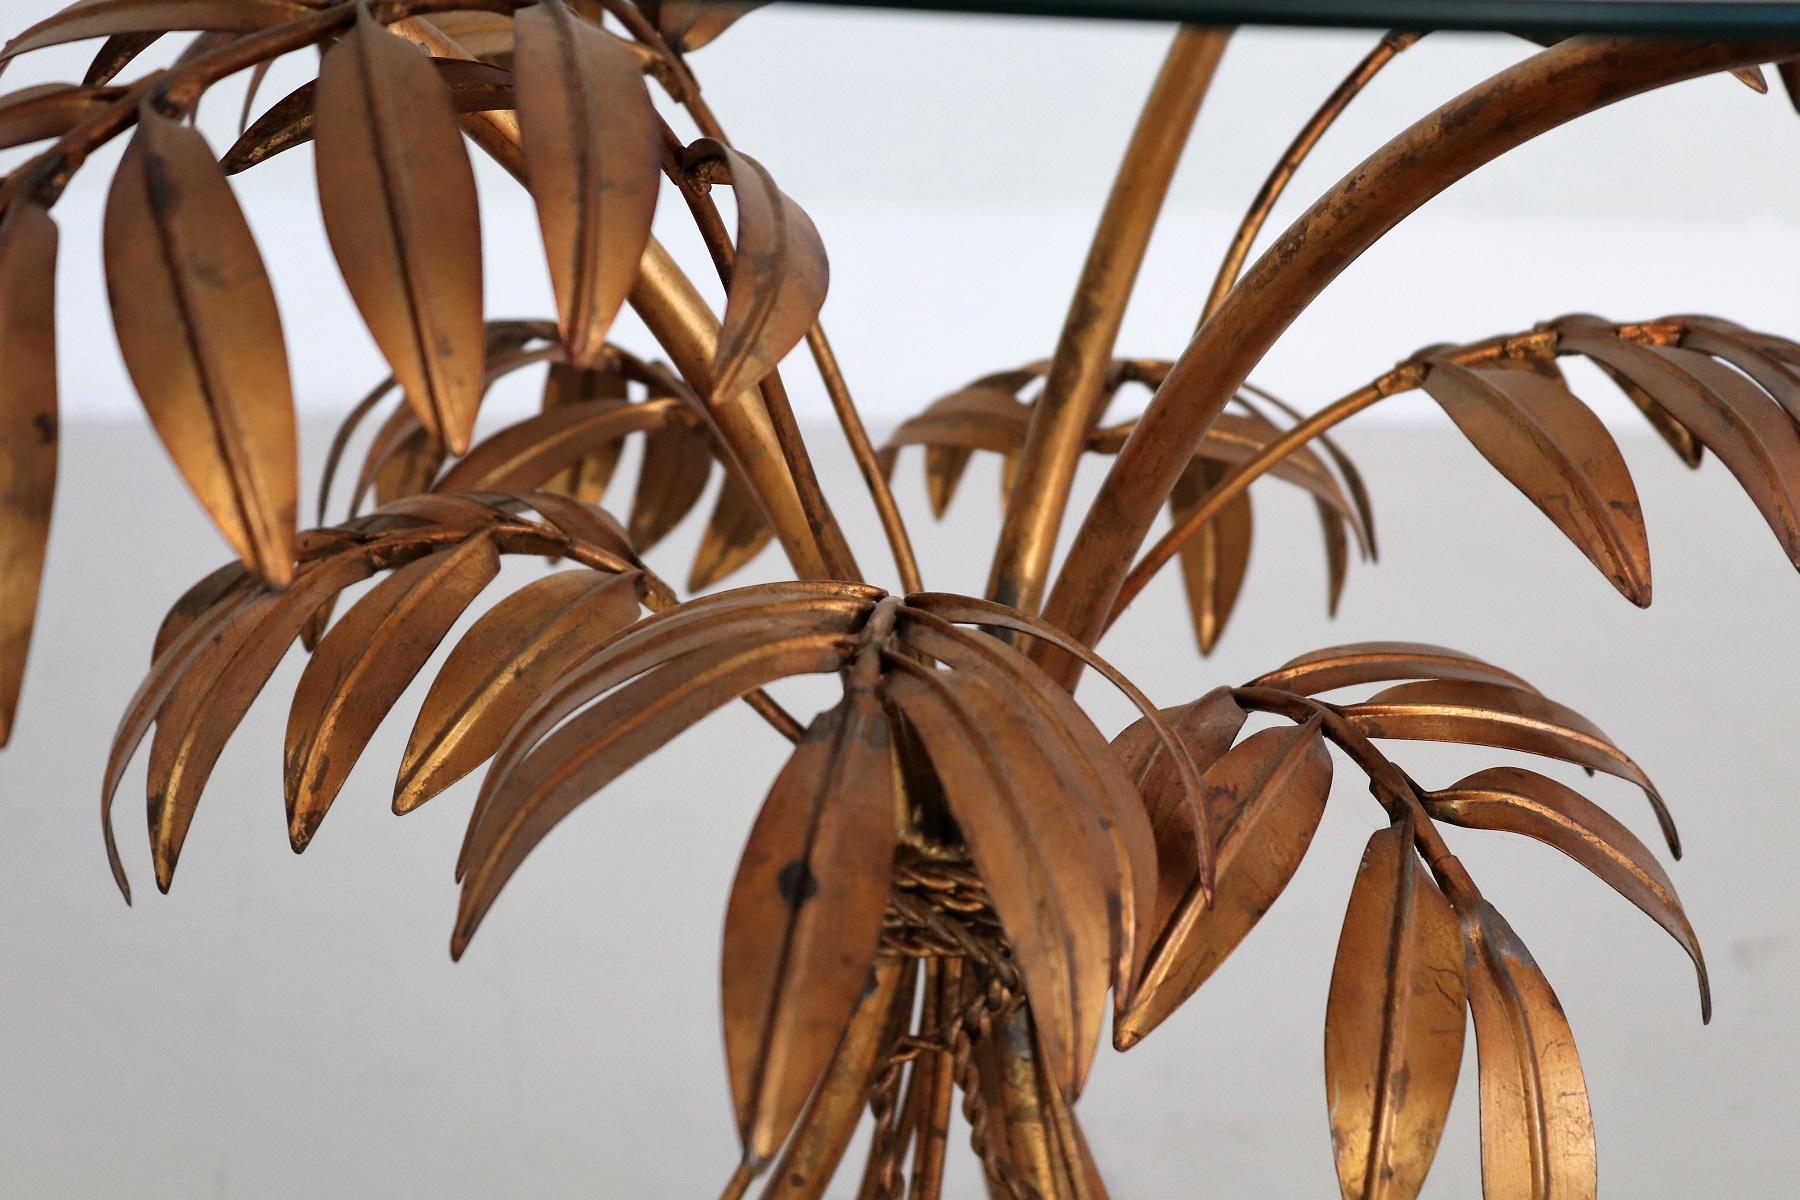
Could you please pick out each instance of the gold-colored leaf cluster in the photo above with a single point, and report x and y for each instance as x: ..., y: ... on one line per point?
x: 957, y: 873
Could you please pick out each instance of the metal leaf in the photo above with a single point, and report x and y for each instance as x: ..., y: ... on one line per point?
x: 1213, y: 561
x: 965, y: 610
x: 363, y: 665
x: 412, y: 466
x: 688, y: 25
x: 1075, y: 790
x: 1346, y: 466
x: 1738, y: 347
x: 1537, y: 1134
x: 677, y: 463
x: 1393, y: 1023
x: 1553, y: 448
x: 593, y: 162
x: 736, y: 533
x: 1519, y: 801
x: 201, y: 337
x: 535, y: 451
x: 1264, y: 799
x: 1060, y: 941
x: 28, y: 432
x: 48, y: 110
x: 528, y: 800
x: 398, y: 197
x: 102, y: 18
x: 1679, y: 437
x: 1492, y: 714
x: 978, y: 417
x: 116, y: 53
x: 805, y: 916
x: 1235, y: 438
x: 387, y: 453
x: 565, y: 385
x: 290, y: 121
x: 1360, y: 663
x: 499, y: 669
x: 740, y: 618
x: 168, y: 669
x: 1751, y: 435
x: 778, y: 279
x: 1207, y: 727
x: 487, y: 36
x: 214, y: 691
x: 595, y: 526
x: 193, y: 604
x: 829, y: 1123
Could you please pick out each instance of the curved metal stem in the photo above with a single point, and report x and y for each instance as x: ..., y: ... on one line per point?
x: 1070, y: 403
x: 1283, y: 172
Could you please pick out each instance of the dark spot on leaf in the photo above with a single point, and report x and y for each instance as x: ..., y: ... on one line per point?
x: 797, y: 883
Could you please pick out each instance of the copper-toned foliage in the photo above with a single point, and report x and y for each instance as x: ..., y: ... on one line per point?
x: 593, y: 156
x: 224, y: 645
x: 28, y: 433
x: 1558, y: 453
x: 398, y: 198
x: 1215, y: 560
x: 49, y: 110
x: 360, y: 667
x: 688, y: 25
x: 500, y: 667
x: 101, y: 18
x: 1264, y: 800
x: 1362, y: 663
x: 290, y: 122
x: 779, y: 275
x: 955, y: 868
x: 1537, y: 1134
x: 1519, y: 801
x: 197, y: 324
x: 1503, y: 716
x: 1394, y: 1023
x: 805, y: 915
x: 989, y: 415
x: 586, y: 480
x: 1058, y: 847
x: 571, y: 448
x: 1729, y: 413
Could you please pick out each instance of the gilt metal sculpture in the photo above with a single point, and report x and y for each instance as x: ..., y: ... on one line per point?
x: 956, y: 868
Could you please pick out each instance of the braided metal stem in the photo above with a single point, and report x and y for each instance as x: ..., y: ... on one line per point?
x: 940, y: 909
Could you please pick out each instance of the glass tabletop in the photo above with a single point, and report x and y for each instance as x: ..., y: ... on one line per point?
x: 1693, y: 18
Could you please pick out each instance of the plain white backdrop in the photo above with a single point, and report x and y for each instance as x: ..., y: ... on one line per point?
x: 293, y: 1028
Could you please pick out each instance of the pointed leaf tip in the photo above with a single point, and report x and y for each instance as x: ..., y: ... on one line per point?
x: 778, y: 279
x: 398, y: 198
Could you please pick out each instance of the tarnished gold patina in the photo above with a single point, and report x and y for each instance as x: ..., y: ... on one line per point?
x: 957, y: 878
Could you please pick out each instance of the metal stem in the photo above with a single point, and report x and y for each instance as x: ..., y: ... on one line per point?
x: 1068, y: 407
x: 1283, y: 172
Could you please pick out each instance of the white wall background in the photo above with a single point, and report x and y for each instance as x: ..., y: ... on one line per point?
x: 293, y: 1028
